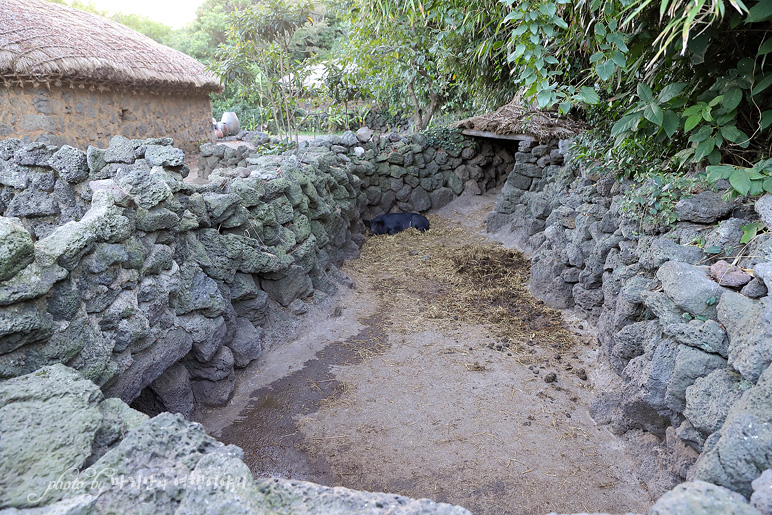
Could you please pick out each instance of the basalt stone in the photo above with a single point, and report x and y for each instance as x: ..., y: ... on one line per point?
x: 691, y: 288
x: 16, y: 247
x: 216, y: 369
x: 763, y: 207
x: 420, y: 199
x: 71, y: 164
x: 364, y: 134
x: 709, y: 399
x: 254, y: 309
x: 749, y: 326
x: 21, y: 324
x: 220, y: 206
x: 705, y: 208
x: 690, y: 364
x: 156, y: 219
x: 33, y: 154
x: 740, y: 453
x: 214, y: 393
x: 121, y: 150
x: 160, y: 258
x: 708, y: 336
x: 246, y: 345
x: 198, y: 292
x: 545, y: 283
x: 147, y: 190
x: 8, y: 148
x: 32, y: 203
x: 207, y: 334
x: 762, y: 492
x: 173, y: 388
x: 62, y: 407
x: 296, y: 284
x: 160, y: 155
x: 654, y: 252
x: 755, y: 289
x: 703, y: 498
x: 14, y: 176
x: 441, y: 197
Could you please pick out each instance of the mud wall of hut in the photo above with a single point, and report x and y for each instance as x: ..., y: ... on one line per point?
x: 82, y: 116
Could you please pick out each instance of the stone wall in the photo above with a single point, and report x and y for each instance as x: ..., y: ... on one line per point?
x: 688, y: 333
x: 116, y: 267
x: 410, y: 173
x: 81, y: 117
x: 112, y: 264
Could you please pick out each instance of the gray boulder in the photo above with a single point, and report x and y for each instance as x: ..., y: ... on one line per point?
x: 741, y: 451
x: 21, y: 324
x: 217, y: 368
x: 147, y: 190
x: 709, y: 399
x: 32, y: 203
x: 749, y: 326
x: 207, y: 334
x: 120, y: 150
x: 147, y: 365
x: 16, y: 247
x: 708, y: 336
x: 173, y: 388
x: 690, y: 287
x: 690, y: 364
x: 762, y: 492
x: 545, y: 283
x: 699, y: 497
x: 247, y: 342
x: 214, y: 393
x: 653, y: 252
x: 50, y: 419
x: 161, y: 155
x: 294, y: 285
x: 70, y: 163
x: 763, y: 207
x: 704, y: 208
x: 364, y: 134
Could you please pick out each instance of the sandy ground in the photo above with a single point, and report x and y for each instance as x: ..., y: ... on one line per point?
x: 375, y: 395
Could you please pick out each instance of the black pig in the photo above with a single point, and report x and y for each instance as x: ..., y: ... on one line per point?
x: 392, y: 223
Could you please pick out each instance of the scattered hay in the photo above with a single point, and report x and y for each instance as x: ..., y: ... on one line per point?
x: 460, y: 280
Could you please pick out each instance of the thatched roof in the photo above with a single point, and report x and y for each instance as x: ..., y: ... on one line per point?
x: 52, y: 44
x: 517, y: 117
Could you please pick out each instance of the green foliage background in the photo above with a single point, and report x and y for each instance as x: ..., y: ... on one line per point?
x: 666, y: 85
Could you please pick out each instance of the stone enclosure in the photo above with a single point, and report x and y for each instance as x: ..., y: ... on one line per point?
x: 157, y: 290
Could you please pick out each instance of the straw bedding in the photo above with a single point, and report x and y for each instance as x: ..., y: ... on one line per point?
x: 52, y: 44
x: 458, y: 279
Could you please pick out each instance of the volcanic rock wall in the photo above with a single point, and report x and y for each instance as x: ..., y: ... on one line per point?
x: 114, y: 265
x: 688, y: 332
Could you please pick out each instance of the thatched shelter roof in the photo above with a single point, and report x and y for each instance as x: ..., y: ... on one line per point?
x: 52, y: 44
x: 517, y: 118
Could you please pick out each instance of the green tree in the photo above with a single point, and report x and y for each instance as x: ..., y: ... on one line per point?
x: 256, y: 56
x: 420, y: 56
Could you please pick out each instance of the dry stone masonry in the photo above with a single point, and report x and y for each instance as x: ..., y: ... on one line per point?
x: 155, y: 291
x: 688, y: 333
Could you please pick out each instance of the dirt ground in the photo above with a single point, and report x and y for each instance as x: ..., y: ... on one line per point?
x: 421, y: 382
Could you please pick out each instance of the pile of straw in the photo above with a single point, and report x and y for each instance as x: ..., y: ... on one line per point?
x: 52, y: 44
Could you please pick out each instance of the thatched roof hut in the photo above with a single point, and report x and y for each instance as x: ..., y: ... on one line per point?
x: 48, y: 43
x: 518, y: 120
x: 54, y: 48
